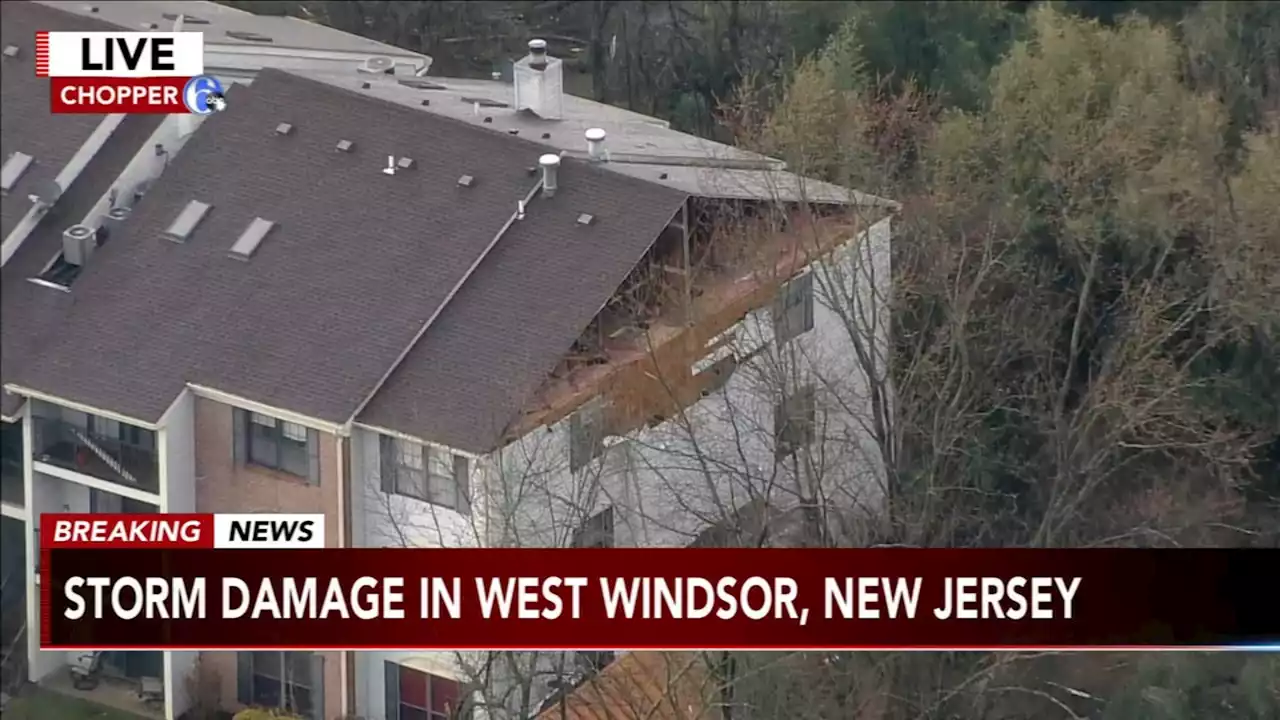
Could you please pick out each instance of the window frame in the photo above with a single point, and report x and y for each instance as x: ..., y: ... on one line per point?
x: 439, y: 467
x: 281, y: 432
x: 597, y: 531
x: 794, y: 297
x: 799, y: 405
x: 288, y: 683
x: 429, y: 712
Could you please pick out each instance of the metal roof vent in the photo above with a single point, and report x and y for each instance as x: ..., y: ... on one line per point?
x: 345, y: 146
x: 377, y: 65
x: 251, y: 238
x: 466, y: 181
x: 284, y: 129
x: 538, y: 54
x: 405, y: 163
x: 365, y: 86
x: 546, y: 136
x: 426, y: 102
x: 595, y: 143
x: 550, y: 163
x: 585, y: 219
x: 14, y: 166
x: 119, y: 213
x: 248, y: 36
x: 488, y: 120
x: 78, y: 242
x: 92, y: 8
x: 12, y: 51
x: 513, y: 131
x: 150, y: 25
x: 187, y: 221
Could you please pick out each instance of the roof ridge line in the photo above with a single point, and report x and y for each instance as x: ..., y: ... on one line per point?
x: 453, y: 292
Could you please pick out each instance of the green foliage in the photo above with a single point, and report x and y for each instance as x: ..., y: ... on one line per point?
x: 265, y: 714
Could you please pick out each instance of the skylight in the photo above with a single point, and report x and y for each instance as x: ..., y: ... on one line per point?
x: 187, y: 221
x: 14, y: 166
x: 251, y: 238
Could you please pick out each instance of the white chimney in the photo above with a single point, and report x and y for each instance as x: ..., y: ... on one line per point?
x: 595, y: 143
x: 550, y: 164
x: 539, y: 82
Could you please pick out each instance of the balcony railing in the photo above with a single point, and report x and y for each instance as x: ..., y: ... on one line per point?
x: 60, y: 443
x: 12, y: 491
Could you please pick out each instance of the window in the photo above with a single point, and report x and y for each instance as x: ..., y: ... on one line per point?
x: 425, y: 473
x: 586, y: 436
x: 291, y: 681
x: 278, y: 444
x: 794, y: 422
x: 793, y: 309
x: 596, y: 532
x: 416, y: 695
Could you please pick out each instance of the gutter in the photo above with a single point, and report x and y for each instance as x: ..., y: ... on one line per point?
x: 64, y: 179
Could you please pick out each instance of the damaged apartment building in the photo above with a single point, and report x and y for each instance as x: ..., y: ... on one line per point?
x: 545, y: 322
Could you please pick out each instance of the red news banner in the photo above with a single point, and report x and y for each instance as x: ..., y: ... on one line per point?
x: 238, y: 582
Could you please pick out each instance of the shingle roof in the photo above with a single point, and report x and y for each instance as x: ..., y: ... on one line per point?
x: 28, y: 126
x: 512, y: 322
x: 358, y: 262
x: 694, y: 165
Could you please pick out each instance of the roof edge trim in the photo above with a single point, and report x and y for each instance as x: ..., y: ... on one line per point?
x: 411, y: 438
x: 34, y: 394
x: 226, y: 398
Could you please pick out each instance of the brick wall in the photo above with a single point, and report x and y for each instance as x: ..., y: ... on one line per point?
x: 223, y: 486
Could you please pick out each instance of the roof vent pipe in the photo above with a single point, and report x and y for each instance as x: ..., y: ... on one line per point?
x: 550, y: 163
x: 595, y: 144
x: 538, y: 54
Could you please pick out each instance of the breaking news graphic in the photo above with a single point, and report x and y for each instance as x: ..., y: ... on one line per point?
x: 127, y: 72
x: 206, y: 582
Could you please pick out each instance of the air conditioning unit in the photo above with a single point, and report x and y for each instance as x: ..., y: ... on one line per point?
x: 78, y: 242
x: 378, y: 65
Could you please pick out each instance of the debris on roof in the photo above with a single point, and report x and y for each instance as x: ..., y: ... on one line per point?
x: 466, y: 181
x: 284, y: 128
x: 405, y: 163
x: 248, y: 36
x: 421, y: 84
x: 586, y: 219
x: 345, y: 146
x: 11, y: 51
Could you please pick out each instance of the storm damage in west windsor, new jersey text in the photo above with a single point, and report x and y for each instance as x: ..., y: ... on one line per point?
x: 550, y: 598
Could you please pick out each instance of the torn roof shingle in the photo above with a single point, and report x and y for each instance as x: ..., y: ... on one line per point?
x: 512, y: 322
x: 358, y: 260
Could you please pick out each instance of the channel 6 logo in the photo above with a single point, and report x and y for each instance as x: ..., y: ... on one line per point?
x: 203, y: 95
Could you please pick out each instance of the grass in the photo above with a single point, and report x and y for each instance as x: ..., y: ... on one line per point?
x: 41, y: 704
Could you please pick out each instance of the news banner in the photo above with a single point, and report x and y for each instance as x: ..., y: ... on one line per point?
x: 268, y: 581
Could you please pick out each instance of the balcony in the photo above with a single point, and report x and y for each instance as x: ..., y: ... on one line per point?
x: 126, y: 457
